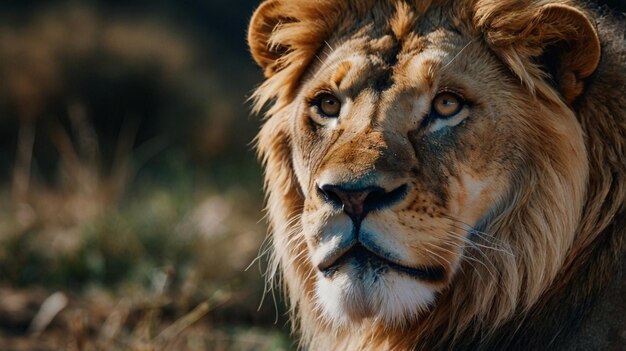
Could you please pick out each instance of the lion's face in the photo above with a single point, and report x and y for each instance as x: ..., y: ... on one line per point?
x: 409, y: 148
x: 400, y: 160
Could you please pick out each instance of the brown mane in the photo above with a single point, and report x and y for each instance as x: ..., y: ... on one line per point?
x: 536, y: 300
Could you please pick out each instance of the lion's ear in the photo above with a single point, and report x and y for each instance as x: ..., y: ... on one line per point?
x: 264, y: 22
x: 288, y: 33
x: 559, y: 39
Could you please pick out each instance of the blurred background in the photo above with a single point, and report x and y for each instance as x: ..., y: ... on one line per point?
x: 130, y: 197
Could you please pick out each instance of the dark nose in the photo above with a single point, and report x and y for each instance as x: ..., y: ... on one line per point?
x: 356, y: 203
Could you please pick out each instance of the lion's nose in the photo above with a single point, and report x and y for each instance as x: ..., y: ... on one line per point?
x: 356, y: 203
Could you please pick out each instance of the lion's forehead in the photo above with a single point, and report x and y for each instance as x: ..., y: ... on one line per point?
x: 356, y: 61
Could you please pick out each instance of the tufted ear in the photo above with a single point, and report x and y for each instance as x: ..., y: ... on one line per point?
x: 265, y: 20
x: 284, y: 36
x: 558, y: 40
x: 287, y: 32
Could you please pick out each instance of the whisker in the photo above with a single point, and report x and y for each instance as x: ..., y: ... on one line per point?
x: 476, y: 244
x: 489, y: 268
x: 470, y: 260
x: 474, y: 232
x: 443, y: 260
x: 458, y: 53
x: 473, y: 245
x: 330, y: 47
x: 468, y: 225
x: 470, y: 230
x: 272, y: 275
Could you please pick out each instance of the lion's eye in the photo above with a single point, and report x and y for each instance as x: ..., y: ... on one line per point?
x: 329, y: 105
x: 447, y: 104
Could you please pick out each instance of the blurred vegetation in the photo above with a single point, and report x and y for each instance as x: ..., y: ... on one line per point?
x: 130, y: 197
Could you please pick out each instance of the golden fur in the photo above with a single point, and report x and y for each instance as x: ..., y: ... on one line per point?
x: 514, y: 200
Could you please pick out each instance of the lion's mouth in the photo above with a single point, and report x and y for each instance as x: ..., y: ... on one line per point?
x: 363, y: 257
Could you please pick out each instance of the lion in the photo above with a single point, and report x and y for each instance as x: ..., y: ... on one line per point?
x: 445, y: 174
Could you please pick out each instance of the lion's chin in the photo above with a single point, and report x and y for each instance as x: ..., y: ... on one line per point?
x: 360, y: 290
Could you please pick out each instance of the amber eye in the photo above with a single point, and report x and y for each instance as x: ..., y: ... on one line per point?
x: 329, y: 105
x: 447, y: 104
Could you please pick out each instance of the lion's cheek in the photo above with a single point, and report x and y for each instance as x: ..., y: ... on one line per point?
x: 415, y: 238
x: 473, y: 197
